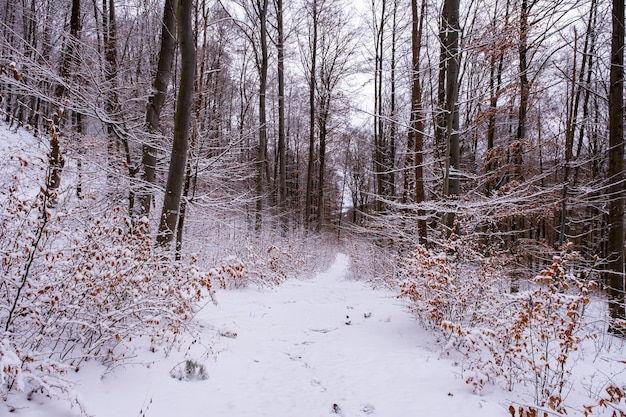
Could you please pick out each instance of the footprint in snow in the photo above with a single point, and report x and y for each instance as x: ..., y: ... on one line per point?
x: 323, y: 330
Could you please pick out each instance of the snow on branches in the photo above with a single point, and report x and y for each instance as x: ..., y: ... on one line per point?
x: 78, y: 285
x: 511, y: 338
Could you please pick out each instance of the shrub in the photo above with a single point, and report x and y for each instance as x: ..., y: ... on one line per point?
x: 77, y: 285
x: 527, y: 337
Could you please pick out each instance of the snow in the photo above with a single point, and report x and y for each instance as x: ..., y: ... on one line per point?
x: 318, y: 347
x: 322, y: 346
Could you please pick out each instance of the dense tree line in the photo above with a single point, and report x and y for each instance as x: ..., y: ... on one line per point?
x: 500, y: 121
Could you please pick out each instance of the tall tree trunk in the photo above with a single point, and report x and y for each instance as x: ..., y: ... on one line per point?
x: 68, y: 57
x: 391, y: 160
x: 308, y: 215
x: 112, y: 105
x: 453, y: 152
x: 262, y: 163
x: 282, y: 154
x: 190, y: 178
x: 570, y: 126
x: 380, y: 145
x: 155, y: 103
x: 496, y: 69
x: 416, y: 132
x: 615, y: 244
x: 324, y: 115
x: 586, y: 68
x: 520, y: 137
x: 182, y: 121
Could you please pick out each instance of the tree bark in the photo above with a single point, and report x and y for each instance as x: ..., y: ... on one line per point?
x: 520, y: 137
x: 55, y: 159
x: 380, y: 145
x: 496, y: 68
x: 572, y: 111
x: 391, y: 160
x: 452, y: 57
x: 416, y: 132
x: 262, y: 165
x: 615, y: 244
x: 282, y: 155
x: 308, y: 215
x: 155, y: 103
x: 323, y: 132
x: 182, y: 120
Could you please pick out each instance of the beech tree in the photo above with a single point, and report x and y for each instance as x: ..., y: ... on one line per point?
x: 155, y: 102
x: 615, y: 243
x: 69, y: 57
x: 282, y: 146
x: 182, y: 122
x: 311, y: 74
x: 415, y: 142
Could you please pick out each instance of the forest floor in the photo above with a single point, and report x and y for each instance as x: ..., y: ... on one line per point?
x: 322, y: 346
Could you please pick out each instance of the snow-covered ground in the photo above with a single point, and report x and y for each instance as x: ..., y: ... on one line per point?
x: 318, y: 347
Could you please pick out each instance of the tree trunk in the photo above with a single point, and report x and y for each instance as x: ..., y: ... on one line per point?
x: 520, y: 137
x: 391, y: 161
x: 570, y: 128
x: 416, y: 132
x: 324, y: 115
x: 380, y: 145
x: 615, y: 244
x: 262, y: 163
x: 155, y: 103
x: 182, y: 120
x: 453, y: 152
x: 112, y: 105
x: 308, y: 215
x: 68, y: 57
x: 586, y: 68
x: 282, y: 154
x: 496, y: 69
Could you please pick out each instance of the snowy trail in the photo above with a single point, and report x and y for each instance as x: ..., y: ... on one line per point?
x: 320, y: 347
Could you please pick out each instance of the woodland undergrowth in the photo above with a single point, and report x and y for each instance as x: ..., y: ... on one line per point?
x: 528, y: 338
x: 266, y: 259
x: 81, y: 283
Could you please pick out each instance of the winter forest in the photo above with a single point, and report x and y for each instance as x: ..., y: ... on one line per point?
x: 455, y: 166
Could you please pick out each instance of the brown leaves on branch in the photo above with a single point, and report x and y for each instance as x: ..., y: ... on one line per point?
x: 509, y: 338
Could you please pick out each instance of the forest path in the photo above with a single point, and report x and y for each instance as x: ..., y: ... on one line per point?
x: 317, y: 347
x: 327, y: 346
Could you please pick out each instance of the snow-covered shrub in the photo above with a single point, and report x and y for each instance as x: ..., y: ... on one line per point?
x: 258, y: 264
x: 533, y: 338
x: 613, y: 399
x: 444, y: 288
x: 232, y: 274
x: 371, y: 261
x: 77, y: 285
x: 268, y: 266
x: 528, y: 337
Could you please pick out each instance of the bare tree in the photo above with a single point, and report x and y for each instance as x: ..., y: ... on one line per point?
x: 68, y: 59
x: 156, y: 100
x: 415, y: 142
x: 451, y: 61
x: 282, y: 153
x: 262, y: 60
x: 615, y: 244
x: 182, y: 121
x: 311, y: 72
